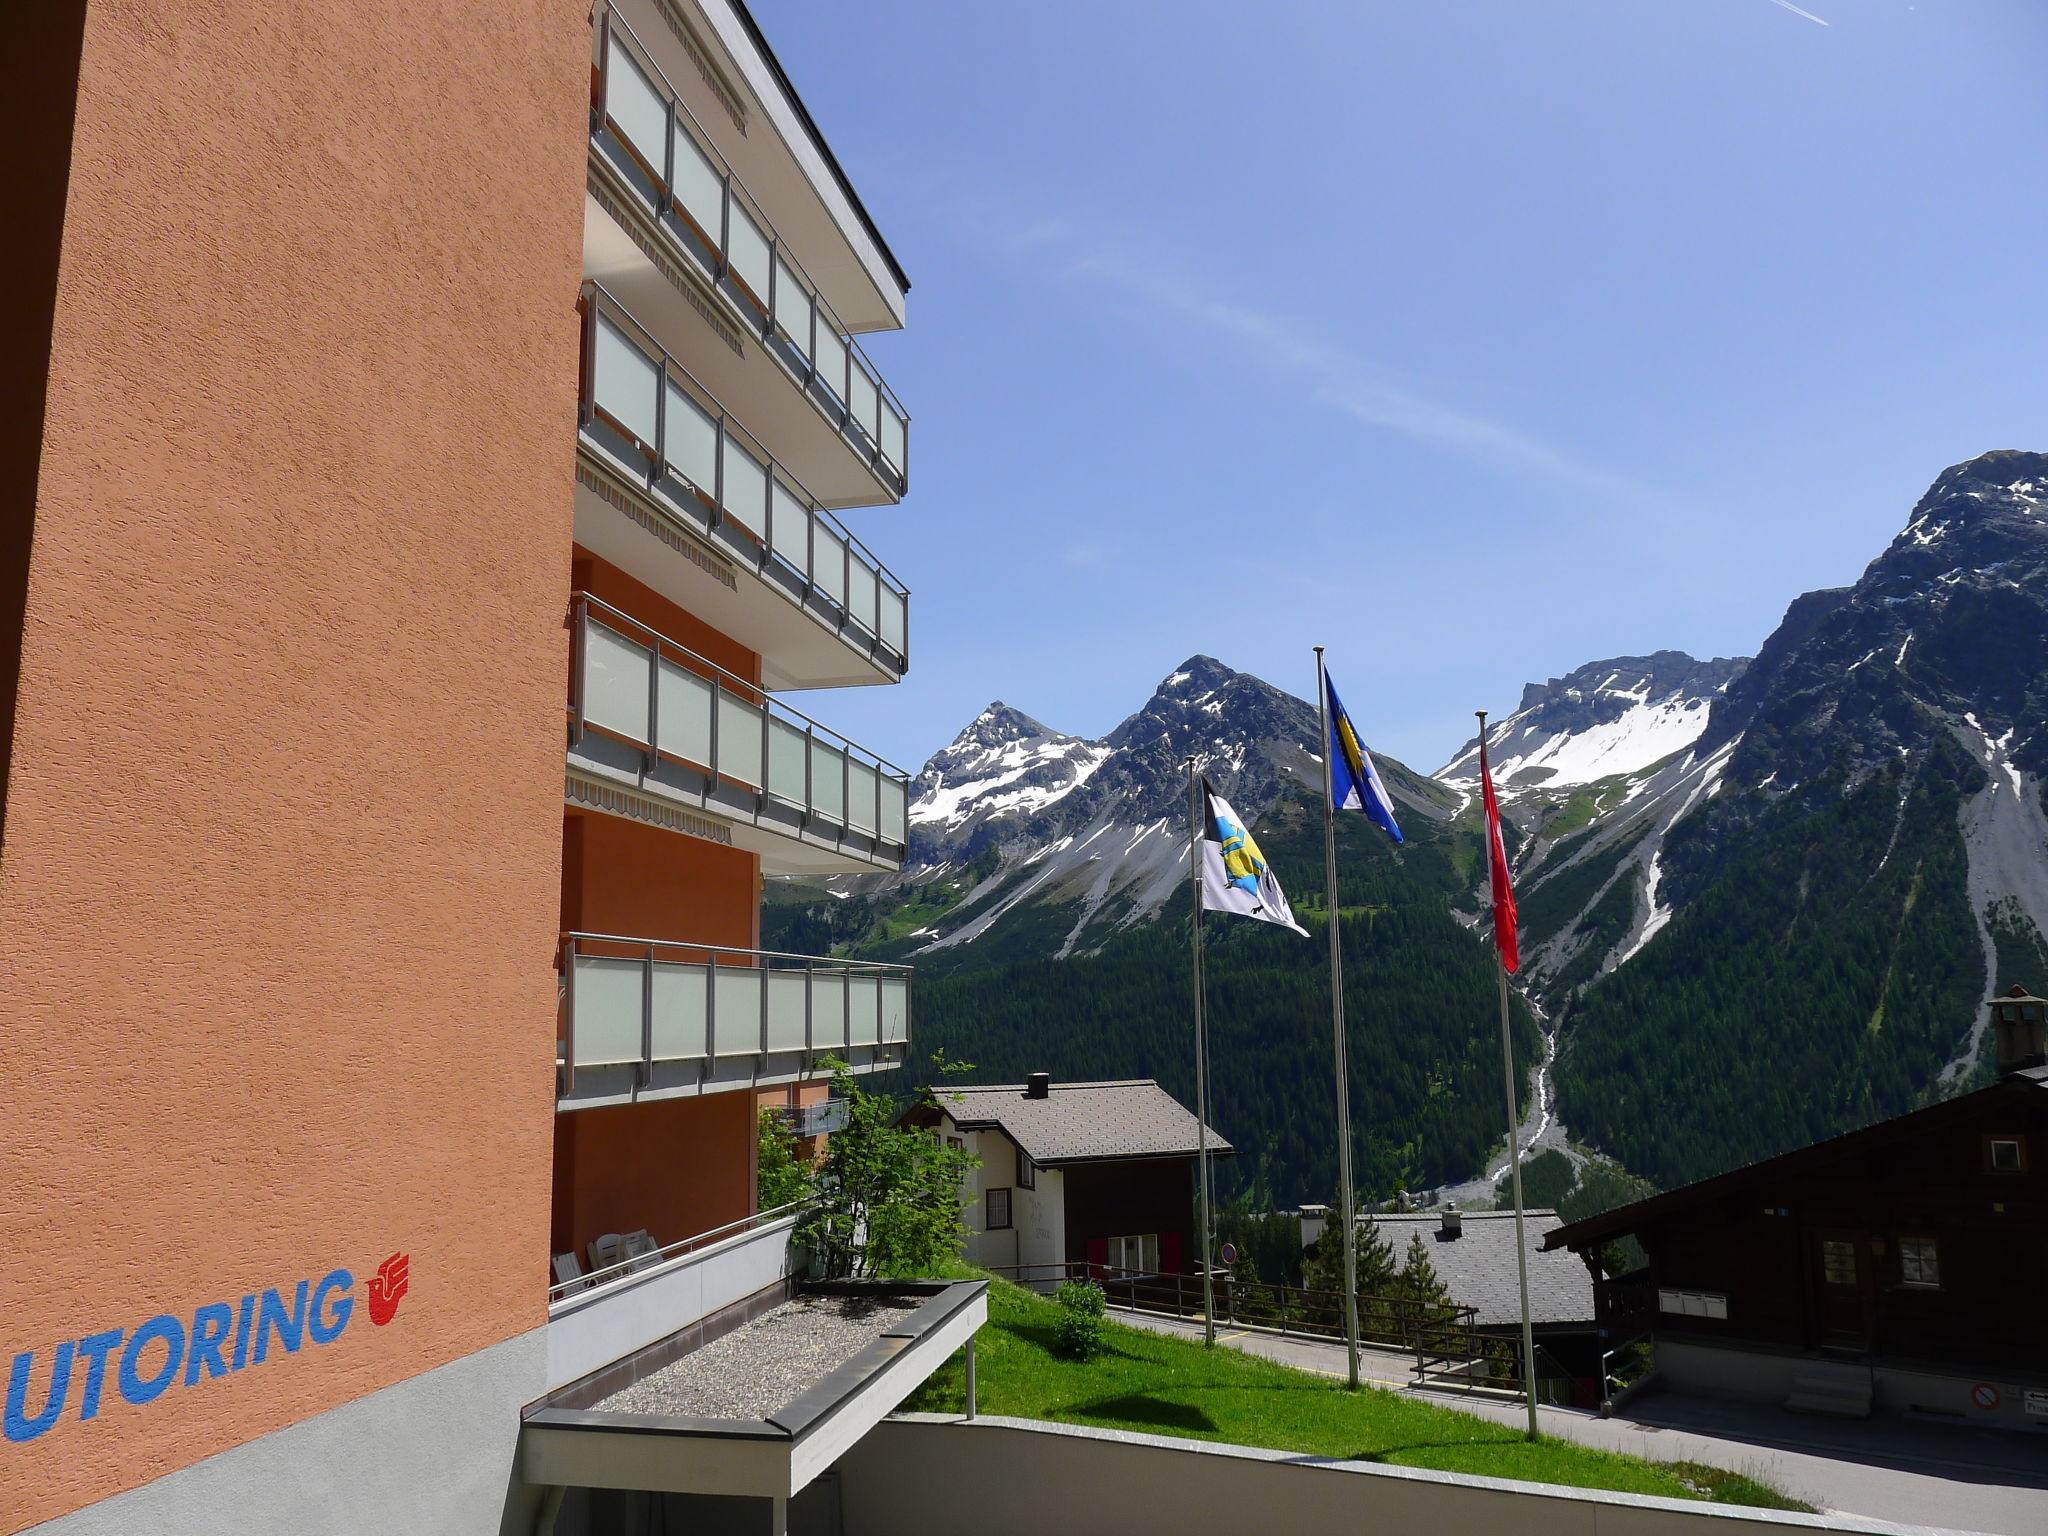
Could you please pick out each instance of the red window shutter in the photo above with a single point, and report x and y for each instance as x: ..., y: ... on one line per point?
x: 1098, y: 1257
x: 1169, y: 1252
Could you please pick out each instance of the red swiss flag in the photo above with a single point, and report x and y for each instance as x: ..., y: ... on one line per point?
x: 1497, y: 866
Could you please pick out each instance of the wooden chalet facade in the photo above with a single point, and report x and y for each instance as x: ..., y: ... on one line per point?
x: 1901, y: 1266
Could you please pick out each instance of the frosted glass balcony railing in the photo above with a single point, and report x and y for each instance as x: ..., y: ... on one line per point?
x: 643, y: 129
x: 643, y: 1002
x: 646, y: 690
x: 645, y: 407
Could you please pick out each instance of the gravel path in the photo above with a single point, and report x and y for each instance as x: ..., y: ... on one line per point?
x: 763, y: 1365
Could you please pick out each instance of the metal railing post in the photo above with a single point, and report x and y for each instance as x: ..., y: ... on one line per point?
x: 568, y: 1015
x: 653, y: 710
x: 711, y: 1010
x: 647, y: 1021
x: 717, y: 768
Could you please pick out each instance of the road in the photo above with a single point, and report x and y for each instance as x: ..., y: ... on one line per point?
x: 1911, y: 1471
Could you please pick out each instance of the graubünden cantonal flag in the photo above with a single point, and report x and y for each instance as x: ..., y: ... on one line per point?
x: 1497, y: 867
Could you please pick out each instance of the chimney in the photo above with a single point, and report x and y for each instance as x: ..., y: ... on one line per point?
x: 2020, y: 1021
x: 1453, y: 1223
x: 1038, y: 1085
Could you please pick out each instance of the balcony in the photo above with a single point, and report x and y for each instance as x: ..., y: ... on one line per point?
x: 649, y: 1018
x: 649, y: 714
x: 599, y: 1318
x: 668, y: 196
x: 653, y: 438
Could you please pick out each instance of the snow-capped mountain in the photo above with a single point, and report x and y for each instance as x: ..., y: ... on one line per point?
x: 1608, y: 717
x: 1004, y: 767
x: 1012, y: 818
x: 1793, y: 928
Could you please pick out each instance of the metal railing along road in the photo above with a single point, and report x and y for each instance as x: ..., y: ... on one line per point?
x: 639, y: 1002
x: 639, y: 123
x: 648, y: 411
x: 563, y: 1290
x: 635, y: 684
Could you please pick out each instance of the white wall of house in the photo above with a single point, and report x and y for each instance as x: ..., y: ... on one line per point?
x: 998, y: 1170
x: 1042, y: 1221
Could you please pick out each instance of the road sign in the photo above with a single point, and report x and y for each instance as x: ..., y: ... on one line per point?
x: 1229, y: 1255
x: 1984, y: 1395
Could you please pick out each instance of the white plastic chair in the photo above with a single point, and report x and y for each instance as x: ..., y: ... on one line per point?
x: 567, y: 1270
x: 606, y: 1252
x: 638, y: 1245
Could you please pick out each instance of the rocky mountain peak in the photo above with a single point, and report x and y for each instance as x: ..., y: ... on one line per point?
x: 1947, y: 629
x: 1607, y: 717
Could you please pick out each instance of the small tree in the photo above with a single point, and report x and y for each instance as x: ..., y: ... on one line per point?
x: 780, y: 1175
x: 888, y: 1197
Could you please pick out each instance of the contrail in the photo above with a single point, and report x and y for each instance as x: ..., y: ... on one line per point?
x: 1796, y: 11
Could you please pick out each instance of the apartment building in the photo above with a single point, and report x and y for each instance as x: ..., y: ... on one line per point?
x: 424, y: 473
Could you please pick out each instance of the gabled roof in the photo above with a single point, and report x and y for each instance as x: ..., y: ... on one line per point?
x: 2028, y: 1086
x: 1077, y: 1122
x: 1478, y: 1267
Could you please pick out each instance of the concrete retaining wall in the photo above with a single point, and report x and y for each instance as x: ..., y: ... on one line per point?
x: 1016, y: 1477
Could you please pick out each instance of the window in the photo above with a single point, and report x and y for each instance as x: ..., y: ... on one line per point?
x: 2005, y: 1154
x: 1838, y: 1261
x: 957, y: 1143
x: 1693, y: 1303
x: 1919, y: 1263
x: 1135, y: 1255
x: 1027, y: 1170
x: 998, y: 1212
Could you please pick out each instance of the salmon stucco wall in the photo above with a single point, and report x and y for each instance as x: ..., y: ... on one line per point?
x: 676, y: 1167
x: 645, y: 882
x: 279, y: 897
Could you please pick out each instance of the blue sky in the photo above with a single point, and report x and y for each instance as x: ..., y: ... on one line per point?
x: 1476, y: 339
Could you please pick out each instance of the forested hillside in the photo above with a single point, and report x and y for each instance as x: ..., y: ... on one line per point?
x: 1819, y: 981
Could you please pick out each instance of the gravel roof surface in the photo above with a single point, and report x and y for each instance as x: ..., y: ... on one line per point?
x: 763, y: 1365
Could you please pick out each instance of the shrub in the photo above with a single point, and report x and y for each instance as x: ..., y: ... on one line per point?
x: 1078, y: 1332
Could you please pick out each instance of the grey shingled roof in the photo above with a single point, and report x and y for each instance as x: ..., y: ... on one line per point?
x: 1478, y: 1269
x: 1082, y: 1122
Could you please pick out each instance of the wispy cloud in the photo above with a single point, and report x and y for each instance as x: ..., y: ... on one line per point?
x: 1353, y: 387
x: 1787, y: 5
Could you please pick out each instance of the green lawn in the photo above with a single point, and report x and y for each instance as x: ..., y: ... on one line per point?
x: 1169, y: 1386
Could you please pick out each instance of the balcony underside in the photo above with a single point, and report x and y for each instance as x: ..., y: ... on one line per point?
x: 631, y: 1083
x: 800, y: 644
x: 700, y: 326
x: 742, y: 818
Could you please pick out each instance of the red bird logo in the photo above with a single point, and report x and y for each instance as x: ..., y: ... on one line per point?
x: 388, y: 1286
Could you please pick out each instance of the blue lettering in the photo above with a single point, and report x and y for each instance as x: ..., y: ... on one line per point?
x: 93, y: 1351
x: 331, y: 1311
x: 172, y: 1332
x: 18, y: 1424
x: 272, y: 1320
x: 242, y: 1317
x: 210, y: 1325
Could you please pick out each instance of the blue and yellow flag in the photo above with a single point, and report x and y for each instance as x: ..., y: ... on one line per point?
x: 1355, y: 783
x: 1235, y: 876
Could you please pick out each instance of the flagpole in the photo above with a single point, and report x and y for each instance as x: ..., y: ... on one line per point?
x: 1201, y: 1049
x: 1507, y: 1058
x: 1346, y: 1202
